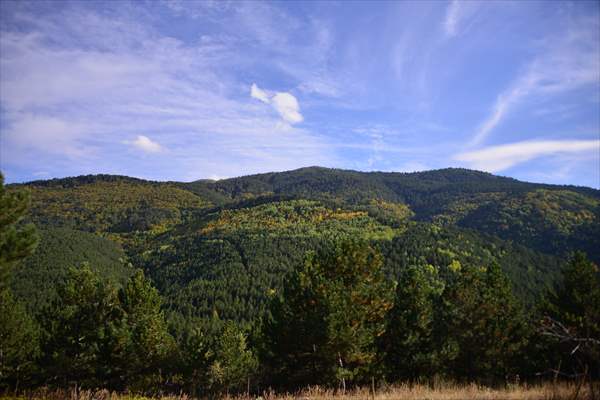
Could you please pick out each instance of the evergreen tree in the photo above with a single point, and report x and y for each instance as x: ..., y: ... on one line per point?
x: 193, y: 358
x: 409, y: 337
x: 233, y: 362
x: 82, y: 328
x: 482, y: 325
x: 571, y: 320
x: 339, y: 300
x: 17, y: 240
x: 148, y: 342
x: 19, y: 342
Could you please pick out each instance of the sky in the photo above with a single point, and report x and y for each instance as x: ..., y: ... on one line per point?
x: 182, y: 90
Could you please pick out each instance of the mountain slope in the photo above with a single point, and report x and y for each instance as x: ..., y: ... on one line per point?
x: 59, y: 250
x: 224, y: 247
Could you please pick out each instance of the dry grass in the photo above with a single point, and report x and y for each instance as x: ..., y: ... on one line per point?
x: 399, y: 392
x: 446, y: 392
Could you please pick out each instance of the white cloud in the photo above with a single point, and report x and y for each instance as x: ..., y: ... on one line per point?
x: 284, y: 103
x: 452, y: 18
x: 504, y: 102
x: 498, y: 158
x: 457, y: 13
x: 146, y: 144
x: 566, y: 63
x: 287, y: 106
x: 259, y: 94
x: 70, y: 101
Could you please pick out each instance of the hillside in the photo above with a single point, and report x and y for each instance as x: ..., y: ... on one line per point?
x: 231, y: 242
x: 59, y: 250
x: 548, y: 218
x: 464, y: 250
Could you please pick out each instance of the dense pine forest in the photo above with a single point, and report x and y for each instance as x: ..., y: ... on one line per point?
x: 287, y: 280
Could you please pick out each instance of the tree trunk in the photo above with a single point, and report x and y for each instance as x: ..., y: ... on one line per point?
x: 343, y: 378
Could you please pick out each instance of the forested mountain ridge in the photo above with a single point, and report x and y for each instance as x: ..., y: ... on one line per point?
x: 432, y: 258
x: 233, y: 241
x: 549, y: 218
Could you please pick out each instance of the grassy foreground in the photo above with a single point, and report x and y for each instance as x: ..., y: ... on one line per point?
x: 399, y: 392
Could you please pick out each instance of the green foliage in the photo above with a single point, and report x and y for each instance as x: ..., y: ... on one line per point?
x: 35, y: 282
x: 577, y: 301
x: 218, y: 253
x: 19, y: 342
x: 96, y: 336
x: 79, y: 329
x: 148, y: 343
x: 233, y: 363
x: 298, y: 218
x: 571, y: 321
x: 17, y: 240
x: 18, y: 332
x: 462, y: 321
x: 343, y: 295
x: 409, y: 338
x: 530, y: 272
x: 107, y: 203
x: 552, y: 221
x: 483, y: 326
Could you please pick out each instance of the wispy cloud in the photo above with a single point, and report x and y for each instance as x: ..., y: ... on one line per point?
x: 69, y: 99
x: 566, y: 63
x: 452, y: 18
x: 458, y: 13
x: 78, y: 80
x: 502, y: 157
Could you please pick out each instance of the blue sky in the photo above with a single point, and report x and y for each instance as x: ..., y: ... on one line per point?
x: 174, y: 90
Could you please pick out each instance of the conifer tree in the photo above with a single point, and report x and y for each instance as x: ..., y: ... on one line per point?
x: 19, y: 342
x: 19, y: 345
x: 571, y: 317
x: 148, y: 342
x: 80, y: 331
x: 481, y: 325
x: 339, y: 299
x: 17, y: 240
x: 233, y: 363
x: 409, y: 338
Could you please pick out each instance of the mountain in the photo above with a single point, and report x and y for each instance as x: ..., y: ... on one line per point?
x: 223, y: 247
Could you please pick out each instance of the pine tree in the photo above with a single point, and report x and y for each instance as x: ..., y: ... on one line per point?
x: 571, y: 319
x: 17, y: 240
x: 80, y: 331
x: 148, y: 342
x: 409, y: 337
x: 482, y: 325
x: 330, y: 316
x: 233, y: 362
x: 19, y: 342
x: 19, y: 345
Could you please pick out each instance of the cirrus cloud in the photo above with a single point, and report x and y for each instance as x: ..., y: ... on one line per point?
x: 501, y: 157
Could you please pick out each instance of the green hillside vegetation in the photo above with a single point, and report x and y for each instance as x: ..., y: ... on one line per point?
x: 549, y: 218
x: 107, y: 203
x: 295, y: 218
x: 550, y: 221
x: 59, y: 250
x: 313, y: 276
